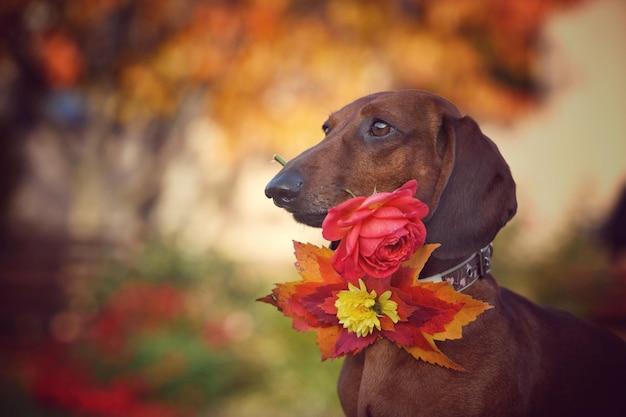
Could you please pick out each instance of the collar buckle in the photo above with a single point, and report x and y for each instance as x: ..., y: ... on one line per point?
x: 484, y: 263
x: 467, y: 272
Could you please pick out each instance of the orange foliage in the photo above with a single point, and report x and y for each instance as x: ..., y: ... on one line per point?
x: 61, y: 59
x: 271, y: 67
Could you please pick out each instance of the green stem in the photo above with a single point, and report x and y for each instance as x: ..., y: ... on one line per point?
x: 279, y: 159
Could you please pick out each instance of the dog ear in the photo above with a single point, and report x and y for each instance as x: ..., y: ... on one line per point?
x: 475, y: 193
x: 446, y: 149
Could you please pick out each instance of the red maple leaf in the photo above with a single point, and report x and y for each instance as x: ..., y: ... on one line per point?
x: 425, y: 311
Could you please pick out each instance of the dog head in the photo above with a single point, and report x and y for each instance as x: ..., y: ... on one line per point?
x: 379, y: 142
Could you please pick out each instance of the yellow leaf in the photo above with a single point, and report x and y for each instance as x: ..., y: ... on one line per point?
x: 419, y: 258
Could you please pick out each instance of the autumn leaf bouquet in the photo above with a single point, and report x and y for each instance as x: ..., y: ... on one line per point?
x: 368, y: 288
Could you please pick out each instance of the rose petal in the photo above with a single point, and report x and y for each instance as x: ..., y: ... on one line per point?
x: 345, y: 258
x: 382, y: 228
x: 367, y: 246
x: 375, y: 199
x: 409, y: 204
x: 331, y: 230
x: 355, y: 218
x: 352, y: 239
x: 410, y: 185
x: 388, y: 212
x: 380, y: 271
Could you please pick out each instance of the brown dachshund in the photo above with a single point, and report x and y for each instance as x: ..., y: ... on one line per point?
x: 520, y: 359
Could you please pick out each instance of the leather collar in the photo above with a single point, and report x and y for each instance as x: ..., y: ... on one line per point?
x: 467, y: 272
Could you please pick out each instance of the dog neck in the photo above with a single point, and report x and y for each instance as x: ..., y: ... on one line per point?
x: 463, y: 275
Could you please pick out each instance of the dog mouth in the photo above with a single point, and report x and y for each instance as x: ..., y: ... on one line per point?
x: 310, y: 219
x: 315, y: 220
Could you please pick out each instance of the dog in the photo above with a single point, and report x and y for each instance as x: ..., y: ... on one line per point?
x: 520, y: 359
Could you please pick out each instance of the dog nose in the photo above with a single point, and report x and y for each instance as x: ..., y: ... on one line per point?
x: 284, y: 188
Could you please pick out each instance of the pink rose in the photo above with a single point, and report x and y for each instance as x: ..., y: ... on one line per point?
x: 377, y: 233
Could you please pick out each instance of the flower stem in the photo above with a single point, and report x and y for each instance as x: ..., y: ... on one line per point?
x: 279, y: 159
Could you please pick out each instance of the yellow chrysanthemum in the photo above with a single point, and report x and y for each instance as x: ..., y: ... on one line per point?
x: 359, y: 310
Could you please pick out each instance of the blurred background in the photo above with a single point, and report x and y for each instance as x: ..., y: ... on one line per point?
x: 137, y: 138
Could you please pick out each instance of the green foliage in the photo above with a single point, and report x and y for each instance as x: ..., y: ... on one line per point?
x: 181, y: 335
x: 183, y: 371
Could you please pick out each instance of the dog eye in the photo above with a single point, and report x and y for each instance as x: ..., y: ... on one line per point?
x: 380, y: 128
x: 325, y: 128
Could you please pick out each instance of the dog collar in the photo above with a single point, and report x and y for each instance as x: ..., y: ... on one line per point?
x: 467, y: 272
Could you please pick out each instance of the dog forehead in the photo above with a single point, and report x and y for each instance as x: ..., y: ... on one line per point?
x: 421, y: 104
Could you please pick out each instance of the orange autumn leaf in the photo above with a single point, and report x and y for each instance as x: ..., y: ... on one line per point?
x: 418, y: 260
x: 472, y: 308
x: 469, y: 310
x: 434, y: 356
x: 309, y: 257
x: 326, y: 338
x: 287, y: 296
